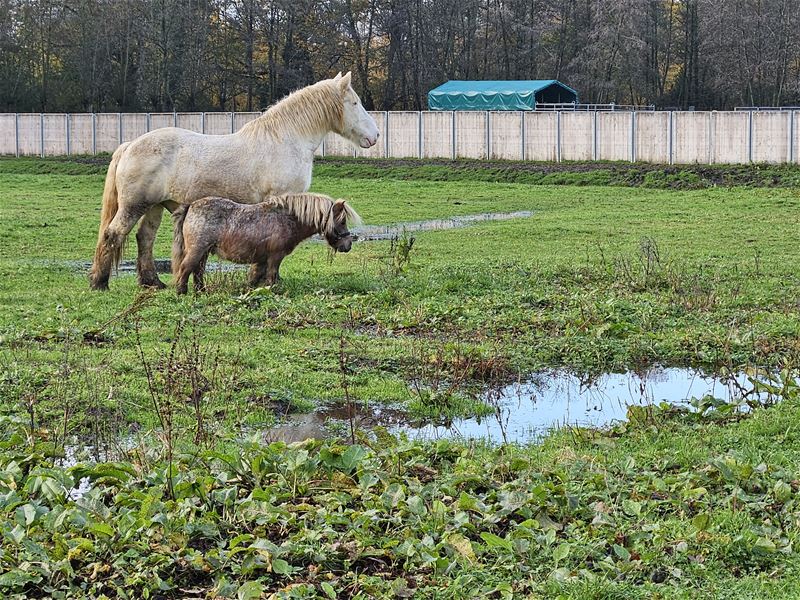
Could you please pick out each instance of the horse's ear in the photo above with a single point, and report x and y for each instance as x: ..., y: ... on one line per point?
x: 338, y: 76
x: 344, y: 82
x: 338, y: 207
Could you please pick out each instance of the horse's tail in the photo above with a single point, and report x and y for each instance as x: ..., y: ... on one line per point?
x: 178, y: 246
x: 110, y: 205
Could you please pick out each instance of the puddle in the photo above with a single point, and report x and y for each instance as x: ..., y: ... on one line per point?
x: 528, y: 410
x: 387, y: 232
x: 366, y: 233
x: 524, y: 412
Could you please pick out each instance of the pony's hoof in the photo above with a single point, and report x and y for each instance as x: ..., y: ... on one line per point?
x: 98, y: 285
x: 154, y: 283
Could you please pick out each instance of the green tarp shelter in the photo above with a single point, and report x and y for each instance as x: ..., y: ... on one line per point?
x: 499, y: 95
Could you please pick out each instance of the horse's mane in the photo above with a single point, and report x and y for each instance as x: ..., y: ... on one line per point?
x: 308, y: 111
x: 314, y: 210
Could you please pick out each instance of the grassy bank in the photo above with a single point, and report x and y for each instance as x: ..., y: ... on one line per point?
x: 601, y: 277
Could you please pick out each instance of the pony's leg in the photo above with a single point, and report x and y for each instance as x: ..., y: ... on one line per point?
x: 193, y: 263
x: 109, y: 248
x: 273, y: 264
x: 145, y: 238
x: 199, y: 273
x: 257, y: 273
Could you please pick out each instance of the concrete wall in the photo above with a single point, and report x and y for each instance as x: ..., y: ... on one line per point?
x: 437, y: 134
x: 540, y: 136
x: 660, y: 137
x: 575, y: 135
x: 652, y: 142
x: 505, y: 135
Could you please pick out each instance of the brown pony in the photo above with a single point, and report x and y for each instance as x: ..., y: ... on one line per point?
x: 260, y: 234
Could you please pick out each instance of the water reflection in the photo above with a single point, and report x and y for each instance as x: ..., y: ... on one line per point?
x: 524, y: 412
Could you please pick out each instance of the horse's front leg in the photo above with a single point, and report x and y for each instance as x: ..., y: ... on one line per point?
x: 145, y: 238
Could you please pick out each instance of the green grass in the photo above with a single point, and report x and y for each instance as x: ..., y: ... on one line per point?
x: 600, y: 278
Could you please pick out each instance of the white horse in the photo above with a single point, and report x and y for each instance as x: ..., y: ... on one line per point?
x: 269, y: 156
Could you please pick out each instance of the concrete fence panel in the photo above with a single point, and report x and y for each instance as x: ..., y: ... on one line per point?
x: 540, y: 135
x: 730, y: 137
x: 437, y: 134
x: 107, y: 131
x: 471, y: 139
x: 55, y: 134
x: 336, y: 145
x: 80, y: 134
x: 404, y: 134
x: 505, y: 135
x: 652, y: 140
x: 133, y: 126
x: 659, y: 137
x: 771, y: 137
x: 240, y: 119
x: 8, y: 133
x: 614, y: 135
x: 191, y: 121
x: 160, y: 120
x: 379, y: 149
x: 691, y: 137
x: 30, y: 134
x: 218, y: 123
x: 576, y: 134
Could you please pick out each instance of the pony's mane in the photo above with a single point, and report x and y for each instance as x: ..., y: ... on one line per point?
x: 314, y: 210
x: 311, y: 110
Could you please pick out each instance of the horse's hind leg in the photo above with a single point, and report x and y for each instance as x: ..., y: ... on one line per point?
x: 145, y: 238
x: 109, y: 247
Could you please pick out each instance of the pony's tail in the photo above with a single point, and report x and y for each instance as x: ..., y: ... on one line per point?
x: 178, y: 246
x: 110, y: 206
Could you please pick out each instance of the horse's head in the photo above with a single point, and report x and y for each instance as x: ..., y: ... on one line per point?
x: 337, y: 234
x: 357, y: 124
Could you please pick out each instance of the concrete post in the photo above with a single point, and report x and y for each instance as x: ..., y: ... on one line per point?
x: 453, y: 135
x: 419, y: 134
x: 670, y: 134
x: 558, y: 136
x: 203, y: 123
x: 791, y: 136
x: 522, y: 133
x: 119, y: 123
x: 711, y: 126
x: 750, y: 136
x: 174, y: 118
x: 594, y: 135
x: 16, y: 133
x: 232, y: 125
x: 94, y: 133
x: 66, y: 129
x: 386, y: 134
x: 488, y: 135
x: 41, y: 133
x: 633, y: 136
x: 147, y: 122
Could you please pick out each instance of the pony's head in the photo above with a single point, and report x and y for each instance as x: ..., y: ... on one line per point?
x: 336, y: 232
x: 357, y: 124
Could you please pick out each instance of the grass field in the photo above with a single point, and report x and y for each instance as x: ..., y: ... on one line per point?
x: 601, y: 278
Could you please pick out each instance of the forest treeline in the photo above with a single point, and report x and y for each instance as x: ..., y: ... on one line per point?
x: 187, y: 55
